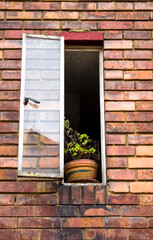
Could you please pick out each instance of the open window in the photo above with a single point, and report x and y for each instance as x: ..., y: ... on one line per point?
x: 42, y: 109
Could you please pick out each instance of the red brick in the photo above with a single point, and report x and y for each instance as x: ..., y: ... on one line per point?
x: 112, y: 44
x: 118, y: 64
x: 12, y: 54
x: 39, y: 199
x: 137, y: 54
x: 23, y: 15
x: 143, y: 64
x: 115, y: 139
x: 9, y: 127
x: 52, y: 211
x: 76, y: 195
x: 64, y: 195
x: 143, y: 6
x: 11, y: 5
x: 7, y: 199
x: 137, y: 211
x: 42, y: 25
x: 140, y: 234
x: 140, y: 162
x: 124, y: 199
x: 119, y: 85
x: 88, y: 194
x: 141, y: 187
x: 132, y: 16
x: 19, y: 234
x: 139, y: 116
x: 114, y: 234
x: 112, y: 34
x: 9, y: 95
x: 118, y: 187
x: 143, y: 25
x: 144, y: 106
x: 78, y: 6
x: 8, y: 150
x: 143, y: 44
x: 39, y: 223
x: 145, y: 174
x: 102, y: 210
x: 10, y: 44
x: 62, y: 234
x: 10, y: 64
x: 140, y: 139
x: 8, y: 105
x: 139, y: 95
x: 114, y: 117
x: 61, y: 15
x: 11, y: 211
x: 85, y: 25
x: 113, y: 95
x: 86, y: 222
x: 116, y: 163
x: 1, y: 15
x: 42, y: 6
x: 146, y: 85
x: 100, y: 195
x: 10, y: 25
x: 113, y: 54
x: 8, y: 174
x: 137, y: 75
x: 119, y: 127
x: 9, y: 85
x: 8, y: 222
x: 146, y: 199
x: 113, y: 74
x: 137, y: 34
x: 17, y: 34
x: 145, y: 127
x: 93, y: 234
x: 97, y: 15
x: 120, y: 106
x: 116, y: 25
x: 7, y: 116
x: 7, y: 162
x: 114, y: 174
x: 125, y: 222
x: 1, y: 54
x: 11, y: 75
x: 1, y: 34
x: 115, y: 6
x: 144, y: 151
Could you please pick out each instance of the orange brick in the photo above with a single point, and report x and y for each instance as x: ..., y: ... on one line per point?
x: 131, y: 75
x: 143, y: 64
x: 112, y: 44
x: 118, y: 64
x: 141, y: 187
x: 61, y: 15
x: 113, y: 74
x: 118, y: 187
x: 125, y: 222
x: 23, y: 15
x: 12, y: 5
x: 117, y: 234
x: 120, y: 106
x: 8, y: 150
x: 143, y: 25
x: 137, y: 211
x: 147, y: 95
x: 140, y: 162
x: 132, y: 16
x: 113, y: 95
x: 15, y: 34
x: 140, y: 139
x: 145, y: 127
x: 10, y: 44
x: 115, y: 139
x: 146, y: 199
x: 144, y: 151
x: 78, y: 6
x: 113, y: 54
x: 86, y: 222
x: 114, y: 174
x: 144, y: 106
x: 114, y: 117
x: 145, y: 174
x: 140, y: 234
x: 1, y: 54
x: 119, y: 85
x: 137, y: 54
x: 95, y: 233
x: 116, y: 162
x: 143, y: 6
x: 100, y: 195
x: 115, y: 6
x: 119, y: 127
x: 120, y: 150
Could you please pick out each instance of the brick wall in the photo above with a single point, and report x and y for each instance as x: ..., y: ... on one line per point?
x: 40, y: 209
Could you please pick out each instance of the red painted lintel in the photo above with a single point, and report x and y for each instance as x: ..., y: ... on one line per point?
x: 82, y: 36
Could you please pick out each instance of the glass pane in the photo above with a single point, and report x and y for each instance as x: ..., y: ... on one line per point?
x: 41, y: 128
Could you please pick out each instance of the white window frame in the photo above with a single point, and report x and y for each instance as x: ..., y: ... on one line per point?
x: 21, y: 124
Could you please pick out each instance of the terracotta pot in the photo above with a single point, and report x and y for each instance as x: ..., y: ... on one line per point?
x: 80, y: 170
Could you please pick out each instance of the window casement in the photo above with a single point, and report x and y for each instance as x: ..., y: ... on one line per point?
x: 41, y: 132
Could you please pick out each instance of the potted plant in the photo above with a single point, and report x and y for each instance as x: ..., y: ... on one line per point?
x: 81, y: 156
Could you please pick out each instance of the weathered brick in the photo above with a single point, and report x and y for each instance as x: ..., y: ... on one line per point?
x: 141, y: 187
x: 93, y: 234
x: 145, y: 174
x: 139, y: 95
x: 116, y: 162
x: 144, y: 106
x: 52, y: 211
x: 10, y: 25
x: 9, y: 85
x: 124, y: 199
x: 76, y: 195
x: 97, y: 15
x: 39, y: 199
x: 146, y: 85
x: 125, y: 222
x: 102, y: 210
x: 64, y: 195
x: 140, y: 234
x: 61, y: 15
x: 7, y: 162
x: 118, y: 64
x: 9, y: 127
x: 140, y: 162
x: 142, y: 44
x: 143, y: 6
x: 114, y: 234
x: 62, y: 234
x: 8, y: 174
x: 11, y: 211
x: 7, y: 199
x: 7, y: 116
x: 144, y: 151
x: 113, y: 95
x: 119, y: 85
x: 113, y: 74
x: 115, y: 6
x: 116, y: 25
x: 113, y: 54
x: 23, y: 15
x: 140, y: 139
x: 12, y: 54
x: 120, y: 106
x: 10, y: 64
x: 137, y: 34
x: 11, y: 5
x: 11, y: 75
x: 132, y: 16
x: 39, y: 222
x: 115, y: 139
x: 112, y: 34
x: 100, y: 195
x: 137, y: 54
x: 143, y: 64
x: 139, y: 116
x: 143, y: 25
x: 85, y: 25
x: 120, y: 150
x: 145, y: 127
x: 118, y: 187
x: 137, y: 75
x: 9, y: 95
x: 42, y: 5
x: 19, y: 234
x: 146, y: 199
x: 115, y: 174
x: 118, y: 44
x: 137, y: 211
x: 78, y: 6
x: 114, y: 117
x: 42, y: 25
x: 86, y: 222
x: 17, y: 34
x: 8, y: 150
x: 1, y: 54
x: 119, y: 127
x: 88, y: 192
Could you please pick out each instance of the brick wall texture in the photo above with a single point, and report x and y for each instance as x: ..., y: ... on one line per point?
x: 41, y: 209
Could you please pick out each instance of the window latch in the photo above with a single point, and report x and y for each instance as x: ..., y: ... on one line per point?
x: 26, y: 100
